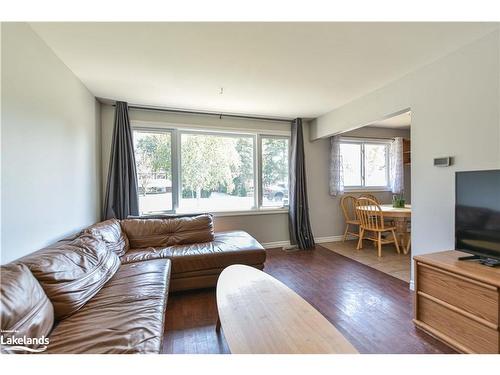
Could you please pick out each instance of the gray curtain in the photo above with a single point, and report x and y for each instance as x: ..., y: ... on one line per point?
x: 299, y: 226
x: 121, y: 191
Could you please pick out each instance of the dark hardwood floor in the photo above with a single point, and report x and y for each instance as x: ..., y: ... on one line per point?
x: 372, y: 310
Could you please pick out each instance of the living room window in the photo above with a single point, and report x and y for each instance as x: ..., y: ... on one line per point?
x: 274, y: 176
x: 191, y: 171
x: 153, y: 157
x: 217, y: 172
x: 365, y: 164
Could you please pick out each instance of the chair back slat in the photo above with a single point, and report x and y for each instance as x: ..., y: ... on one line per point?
x: 370, y: 196
x: 369, y: 214
x: 348, y: 204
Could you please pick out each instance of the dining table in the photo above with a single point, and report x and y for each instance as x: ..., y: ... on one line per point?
x: 401, y: 217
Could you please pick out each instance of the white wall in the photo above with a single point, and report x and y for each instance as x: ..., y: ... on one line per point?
x: 455, y: 112
x: 50, y: 153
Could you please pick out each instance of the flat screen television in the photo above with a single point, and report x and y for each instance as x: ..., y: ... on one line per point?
x: 477, y: 215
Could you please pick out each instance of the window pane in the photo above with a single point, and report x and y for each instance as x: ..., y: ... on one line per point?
x: 375, y: 165
x: 351, y: 163
x: 274, y: 172
x: 217, y: 172
x: 153, y: 157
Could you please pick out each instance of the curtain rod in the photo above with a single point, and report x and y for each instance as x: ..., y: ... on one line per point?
x: 380, y: 138
x: 220, y: 115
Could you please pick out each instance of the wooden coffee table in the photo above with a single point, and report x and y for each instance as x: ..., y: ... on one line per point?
x: 261, y: 315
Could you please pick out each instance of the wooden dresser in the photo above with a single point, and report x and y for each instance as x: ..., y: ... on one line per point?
x: 458, y: 301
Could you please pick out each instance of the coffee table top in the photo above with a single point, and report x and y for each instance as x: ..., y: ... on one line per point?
x: 261, y: 315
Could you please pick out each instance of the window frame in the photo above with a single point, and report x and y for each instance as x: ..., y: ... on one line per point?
x: 362, y: 142
x: 259, y: 153
x: 222, y: 134
x: 156, y: 130
x: 176, y: 131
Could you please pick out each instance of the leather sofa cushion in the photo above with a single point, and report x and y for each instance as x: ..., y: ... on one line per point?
x: 143, y: 233
x: 72, y: 272
x: 111, y: 233
x: 24, y: 306
x: 235, y: 247
x: 139, y: 255
x: 125, y: 316
x: 227, y: 248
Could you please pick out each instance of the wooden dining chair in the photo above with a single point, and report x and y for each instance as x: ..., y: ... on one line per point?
x: 348, y: 204
x: 371, y: 219
x: 388, y: 222
x: 370, y: 196
x: 408, y: 243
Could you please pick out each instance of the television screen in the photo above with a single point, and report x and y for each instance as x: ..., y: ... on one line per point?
x: 477, y: 213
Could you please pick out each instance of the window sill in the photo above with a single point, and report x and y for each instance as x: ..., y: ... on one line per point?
x: 367, y: 190
x: 270, y: 211
x: 262, y: 211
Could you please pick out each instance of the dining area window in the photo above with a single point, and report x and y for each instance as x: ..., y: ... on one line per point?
x: 365, y: 164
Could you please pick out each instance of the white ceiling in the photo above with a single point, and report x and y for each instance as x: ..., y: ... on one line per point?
x: 402, y: 121
x: 275, y: 69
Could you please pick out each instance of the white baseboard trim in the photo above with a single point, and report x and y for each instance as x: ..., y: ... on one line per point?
x: 329, y: 239
x: 271, y: 245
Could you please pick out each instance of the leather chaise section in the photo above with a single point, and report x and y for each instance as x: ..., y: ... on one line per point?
x: 236, y: 247
x: 199, y: 265
x: 125, y: 316
x: 227, y: 248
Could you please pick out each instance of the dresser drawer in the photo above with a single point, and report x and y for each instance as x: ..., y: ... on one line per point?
x: 474, y: 297
x: 455, y: 327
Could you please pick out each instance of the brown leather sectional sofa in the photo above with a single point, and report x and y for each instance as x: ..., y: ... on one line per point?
x: 105, y: 290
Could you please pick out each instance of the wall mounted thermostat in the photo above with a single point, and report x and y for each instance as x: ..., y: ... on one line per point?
x: 442, y: 162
